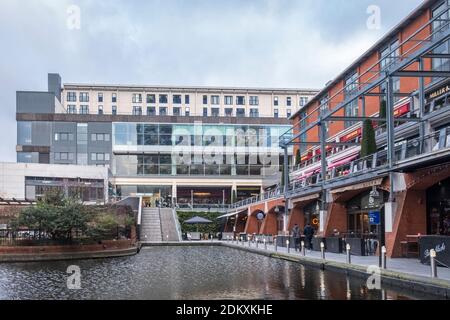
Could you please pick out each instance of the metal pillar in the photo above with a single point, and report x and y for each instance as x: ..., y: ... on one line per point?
x: 391, y: 158
x: 421, y: 106
x: 323, y: 160
x: 285, y: 187
x: 390, y: 129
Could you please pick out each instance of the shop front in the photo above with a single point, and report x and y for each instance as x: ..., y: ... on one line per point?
x: 438, y: 224
x: 364, y: 221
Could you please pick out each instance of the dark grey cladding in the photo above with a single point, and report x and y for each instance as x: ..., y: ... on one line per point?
x: 35, y: 102
x: 30, y: 116
x: 54, y: 85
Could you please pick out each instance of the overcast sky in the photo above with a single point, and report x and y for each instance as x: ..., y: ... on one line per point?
x: 264, y: 43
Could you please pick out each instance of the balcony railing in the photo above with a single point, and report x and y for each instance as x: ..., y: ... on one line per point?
x: 405, y: 152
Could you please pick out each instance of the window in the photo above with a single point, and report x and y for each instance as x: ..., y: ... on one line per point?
x: 114, y: 98
x: 205, y: 112
x: 215, y: 112
x: 137, y: 111
x: 84, y: 109
x: 151, y: 111
x: 176, y: 111
x: 71, y: 96
x: 254, y: 113
x: 163, y: 111
x: 240, y: 100
x: 229, y: 100
x: 63, y: 156
x: 100, y: 157
x: 100, y: 109
x: 288, y: 113
x: 289, y: 101
x: 72, y: 109
x: 228, y: 112
x: 64, y: 136
x: 440, y: 25
x: 351, y: 109
x: 114, y: 110
x: 390, y: 55
x: 100, y: 97
x: 351, y: 84
x: 177, y: 99
x: 84, y: 97
x: 186, y: 99
x: 275, y: 113
x: 163, y: 98
x: 151, y: 98
x: 100, y: 137
x: 240, y: 112
x: 215, y: 100
x: 324, y: 109
x: 275, y: 101
x: 254, y: 100
x: 303, y: 101
x: 187, y: 112
x: 137, y: 98
x: 205, y: 99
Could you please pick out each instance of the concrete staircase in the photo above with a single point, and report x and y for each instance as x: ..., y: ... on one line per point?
x: 151, y: 225
x: 169, y: 225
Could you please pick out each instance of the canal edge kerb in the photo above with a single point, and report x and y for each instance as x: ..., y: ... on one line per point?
x: 438, y: 287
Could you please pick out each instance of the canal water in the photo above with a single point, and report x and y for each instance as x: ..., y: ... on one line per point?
x: 186, y: 273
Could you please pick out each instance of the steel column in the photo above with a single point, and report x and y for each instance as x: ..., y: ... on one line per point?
x: 421, y: 105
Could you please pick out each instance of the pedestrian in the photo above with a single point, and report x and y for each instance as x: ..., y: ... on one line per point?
x: 296, y: 236
x: 308, y: 231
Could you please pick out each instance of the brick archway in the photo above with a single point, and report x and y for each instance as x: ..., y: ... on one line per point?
x: 253, y: 225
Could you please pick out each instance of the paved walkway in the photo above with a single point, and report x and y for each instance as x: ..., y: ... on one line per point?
x: 403, y: 265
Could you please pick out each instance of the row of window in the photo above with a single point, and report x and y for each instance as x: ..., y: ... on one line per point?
x: 100, y: 156
x: 177, y: 99
x: 66, y: 136
x: 177, y: 111
x: 69, y: 156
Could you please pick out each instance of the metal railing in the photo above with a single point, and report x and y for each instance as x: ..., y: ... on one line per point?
x: 414, y: 149
x: 415, y: 44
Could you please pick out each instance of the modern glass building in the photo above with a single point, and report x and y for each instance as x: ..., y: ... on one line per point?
x: 195, y: 146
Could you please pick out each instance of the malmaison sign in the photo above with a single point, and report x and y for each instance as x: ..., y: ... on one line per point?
x: 438, y: 92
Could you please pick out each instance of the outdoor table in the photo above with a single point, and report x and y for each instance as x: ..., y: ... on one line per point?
x: 412, y: 245
x: 334, y: 244
x: 441, y: 244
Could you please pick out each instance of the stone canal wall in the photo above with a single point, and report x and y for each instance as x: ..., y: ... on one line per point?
x: 104, y: 249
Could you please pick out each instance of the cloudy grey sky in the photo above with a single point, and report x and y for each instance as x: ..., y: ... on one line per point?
x: 276, y: 43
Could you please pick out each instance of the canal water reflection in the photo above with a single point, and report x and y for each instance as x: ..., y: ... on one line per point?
x: 186, y: 273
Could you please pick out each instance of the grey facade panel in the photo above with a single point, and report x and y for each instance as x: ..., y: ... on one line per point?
x: 35, y: 102
x: 54, y: 85
x: 95, y: 146
x: 64, y: 146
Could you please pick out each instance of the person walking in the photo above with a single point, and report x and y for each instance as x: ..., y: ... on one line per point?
x: 308, y: 231
x: 296, y: 236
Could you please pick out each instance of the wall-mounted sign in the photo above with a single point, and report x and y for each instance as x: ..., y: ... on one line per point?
x: 351, y: 135
x: 402, y: 110
x: 374, y: 218
x: 438, y: 92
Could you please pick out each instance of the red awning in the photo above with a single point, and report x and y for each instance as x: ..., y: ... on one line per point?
x: 342, y: 162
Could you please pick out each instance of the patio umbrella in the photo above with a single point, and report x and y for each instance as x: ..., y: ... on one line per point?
x: 197, y: 221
